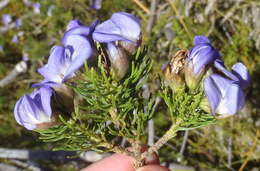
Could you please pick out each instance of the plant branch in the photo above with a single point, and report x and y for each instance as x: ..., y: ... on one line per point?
x: 141, y: 5
x: 165, y: 138
x: 118, y: 149
x: 154, y: 148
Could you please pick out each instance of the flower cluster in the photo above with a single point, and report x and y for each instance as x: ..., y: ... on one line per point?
x: 119, y: 36
x: 223, y: 89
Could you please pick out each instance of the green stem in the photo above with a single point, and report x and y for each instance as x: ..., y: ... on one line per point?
x: 163, y: 140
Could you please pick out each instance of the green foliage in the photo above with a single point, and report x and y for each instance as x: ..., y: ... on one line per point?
x: 109, y: 108
x: 184, y: 106
x: 70, y: 135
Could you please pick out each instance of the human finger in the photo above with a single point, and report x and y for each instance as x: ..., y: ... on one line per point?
x: 153, y: 168
x: 116, y: 162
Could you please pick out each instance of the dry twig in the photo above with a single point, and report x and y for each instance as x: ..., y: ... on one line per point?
x: 152, y: 16
x: 19, y: 68
x: 142, y: 6
x: 184, y: 142
x: 150, y: 132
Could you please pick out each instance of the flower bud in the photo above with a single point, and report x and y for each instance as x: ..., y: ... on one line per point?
x: 34, y: 111
x: 130, y: 47
x: 173, y: 72
x: 204, y: 105
x: 119, y: 59
x: 192, y: 80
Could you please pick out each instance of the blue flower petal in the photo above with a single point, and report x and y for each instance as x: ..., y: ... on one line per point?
x: 46, y: 94
x: 241, y: 72
x: 121, y: 26
x: 17, y: 111
x: 83, y: 31
x: 34, y: 108
x: 29, y: 126
x: 219, y: 64
x: 55, y: 67
x: 200, y: 39
x: 213, y: 94
x: 233, y: 100
x: 222, y: 83
x: 201, y: 55
x: 72, y: 24
x: 81, y: 51
x: 30, y: 109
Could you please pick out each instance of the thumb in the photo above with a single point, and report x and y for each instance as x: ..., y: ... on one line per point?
x: 153, y: 168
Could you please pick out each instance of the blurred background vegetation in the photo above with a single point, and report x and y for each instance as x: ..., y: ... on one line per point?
x: 168, y: 25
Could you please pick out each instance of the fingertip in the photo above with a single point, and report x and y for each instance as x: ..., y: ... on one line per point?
x: 116, y: 162
x: 153, y: 168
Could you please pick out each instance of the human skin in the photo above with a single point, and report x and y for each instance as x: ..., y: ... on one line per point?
x: 119, y: 162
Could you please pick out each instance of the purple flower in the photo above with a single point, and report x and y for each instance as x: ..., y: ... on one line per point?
x: 78, y: 39
x: 34, y: 110
x: 6, y: 19
x: 201, y: 54
x: 199, y: 58
x: 121, y: 26
x: 95, y: 4
x: 65, y: 60
x: 224, y: 90
x: 122, y: 35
